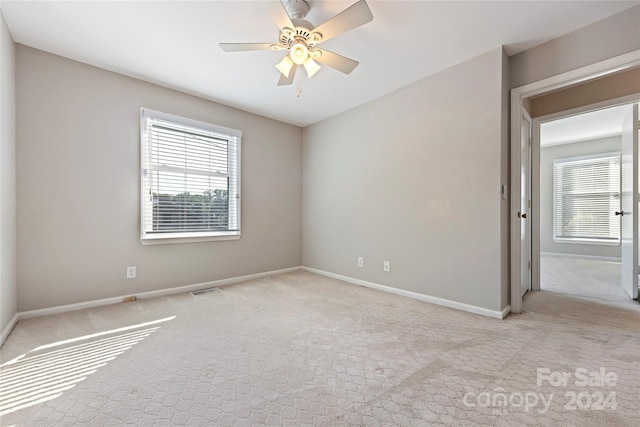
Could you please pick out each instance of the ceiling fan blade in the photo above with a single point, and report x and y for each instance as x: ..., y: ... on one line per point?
x: 284, y: 81
x: 350, y: 18
x: 333, y: 60
x: 239, y: 47
x: 281, y: 16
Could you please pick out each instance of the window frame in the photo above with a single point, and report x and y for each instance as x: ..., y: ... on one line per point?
x: 232, y: 135
x: 583, y: 240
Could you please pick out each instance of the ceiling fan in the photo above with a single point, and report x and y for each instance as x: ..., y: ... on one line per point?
x: 300, y: 38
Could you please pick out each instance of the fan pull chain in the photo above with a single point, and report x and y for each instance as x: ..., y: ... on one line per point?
x: 299, y: 89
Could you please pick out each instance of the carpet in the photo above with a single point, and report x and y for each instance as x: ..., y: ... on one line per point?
x: 302, y: 349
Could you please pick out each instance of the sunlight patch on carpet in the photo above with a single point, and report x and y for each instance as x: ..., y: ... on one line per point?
x: 46, y: 372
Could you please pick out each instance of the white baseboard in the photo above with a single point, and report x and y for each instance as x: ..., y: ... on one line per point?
x: 422, y: 297
x: 595, y: 257
x: 215, y: 283
x: 505, y: 311
x: 6, y: 331
x: 145, y: 295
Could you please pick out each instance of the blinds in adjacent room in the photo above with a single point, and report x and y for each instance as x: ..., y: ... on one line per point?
x: 586, y: 196
x: 190, y: 178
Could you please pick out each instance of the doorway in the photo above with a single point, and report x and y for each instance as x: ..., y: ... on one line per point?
x: 521, y: 102
x: 580, y: 203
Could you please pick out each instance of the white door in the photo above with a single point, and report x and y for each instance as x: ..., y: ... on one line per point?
x: 525, y: 204
x: 629, y: 203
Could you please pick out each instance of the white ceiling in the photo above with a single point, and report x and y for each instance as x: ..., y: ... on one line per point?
x: 175, y: 44
x: 584, y: 127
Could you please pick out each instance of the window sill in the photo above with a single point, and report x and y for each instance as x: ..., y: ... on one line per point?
x: 586, y: 242
x: 167, y: 239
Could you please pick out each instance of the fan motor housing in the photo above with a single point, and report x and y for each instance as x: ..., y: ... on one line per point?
x: 297, y: 9
x: 302, y: 31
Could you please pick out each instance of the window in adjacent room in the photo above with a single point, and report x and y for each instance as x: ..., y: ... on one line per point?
x: 190, y: 180
x: 586, y: 195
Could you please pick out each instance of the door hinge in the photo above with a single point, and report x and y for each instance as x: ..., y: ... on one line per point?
x: 529, y: 203
x: 529, y: 265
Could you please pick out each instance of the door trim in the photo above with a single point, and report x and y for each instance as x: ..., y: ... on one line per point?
x: 580, y: 75
x: 528, y: 206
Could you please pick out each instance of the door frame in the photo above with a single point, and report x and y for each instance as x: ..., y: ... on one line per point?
x: 528, y: 208
x: 580, y: 75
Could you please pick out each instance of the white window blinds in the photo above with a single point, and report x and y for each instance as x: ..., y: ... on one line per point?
x: 586, y: 196
x: 190, y: 178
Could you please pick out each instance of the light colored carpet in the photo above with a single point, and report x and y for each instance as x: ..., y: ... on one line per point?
x: 301, y: 349
x: 587, y: 278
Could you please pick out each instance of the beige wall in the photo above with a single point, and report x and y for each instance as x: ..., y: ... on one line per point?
x: 603, y: 89
x: 414, y: 178
x: 547, y: 155
x: 8, y: 287
x: 597, y: 42
x: 78, y: 168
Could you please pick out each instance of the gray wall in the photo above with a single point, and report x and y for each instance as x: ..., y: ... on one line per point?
x: 597, y: 42
x: 78, y: 167
x: 547, y: 155
x: 414, y: 177
x: 8, y: 286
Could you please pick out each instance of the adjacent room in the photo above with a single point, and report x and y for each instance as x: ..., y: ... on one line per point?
x: 307, y: 213
x: 580, y: 182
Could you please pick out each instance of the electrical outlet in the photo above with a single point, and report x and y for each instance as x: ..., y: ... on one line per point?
x: 360, y: 262
x: 131, y: 272
x: 387, y: 266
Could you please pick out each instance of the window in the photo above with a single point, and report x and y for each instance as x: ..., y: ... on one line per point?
x: 586, y: 195
x: 190, y: 180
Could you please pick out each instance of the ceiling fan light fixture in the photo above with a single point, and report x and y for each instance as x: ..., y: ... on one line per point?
x: 315, y: 54
x: 311, y: 66
x: 299, y: 52
x: 285, y: 66
x: 300, y: 38
x: 315, y: 38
